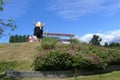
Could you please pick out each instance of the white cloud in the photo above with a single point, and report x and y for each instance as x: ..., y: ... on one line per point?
x: 73, y: 9
x: 110, y: 36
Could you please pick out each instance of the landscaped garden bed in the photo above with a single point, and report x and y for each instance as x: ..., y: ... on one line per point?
x: 75, y: 57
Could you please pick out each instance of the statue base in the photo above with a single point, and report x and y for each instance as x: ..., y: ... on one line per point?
x: 33, y: 39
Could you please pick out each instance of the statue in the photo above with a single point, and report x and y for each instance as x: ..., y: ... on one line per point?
x: 38, y: 30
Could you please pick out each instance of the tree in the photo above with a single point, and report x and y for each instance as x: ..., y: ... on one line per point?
x: 95, y: 40
x: 24, y: 38
x: 1, y: 4
x: 16, y: 38
x: 114, y: 44
x: 11, y: 40
x: 20, y: 38
x: 106, y: 44
x: 6, y: 25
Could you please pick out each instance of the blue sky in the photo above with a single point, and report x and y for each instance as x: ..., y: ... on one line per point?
x: 82, y: 18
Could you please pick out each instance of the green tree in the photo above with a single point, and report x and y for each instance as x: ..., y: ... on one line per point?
x: 6, y: 25
x: 1, y: 4
x: 11, y: 40
x: 106, y: 44
x: 24, y: 38
x: 16, y: 38
x: 20, y: 38
x: 114, y: 44
x: 95, y: 40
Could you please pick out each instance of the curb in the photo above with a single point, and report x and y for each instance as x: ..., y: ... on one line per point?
x: 60, y: 74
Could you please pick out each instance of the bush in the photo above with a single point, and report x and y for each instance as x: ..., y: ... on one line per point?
x: 55, y: 60
x: 59, y: 60
x: 88, y: 61
x: 115, y: 54
x: 74, y: 41
x: 48, y: 43
x: 76, y: 56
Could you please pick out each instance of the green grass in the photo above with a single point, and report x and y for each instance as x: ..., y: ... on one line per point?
x: 21, y: 54
x: 107, y: 76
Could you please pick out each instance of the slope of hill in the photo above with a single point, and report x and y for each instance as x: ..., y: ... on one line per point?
x: 21, y: 54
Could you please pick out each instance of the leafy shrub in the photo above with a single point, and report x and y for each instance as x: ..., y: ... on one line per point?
x: 48, y: 43
x: 87, y: 61
x: 77, y: 61
x: 76, y: 56
x: 39, y: 62
x: 55, y: 60
x: 115, y: 56
x: 74, y: 41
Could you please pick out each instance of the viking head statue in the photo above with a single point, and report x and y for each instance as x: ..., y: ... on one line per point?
x: 39, y: 24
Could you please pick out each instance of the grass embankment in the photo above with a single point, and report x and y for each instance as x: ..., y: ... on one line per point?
x: 17, y: 55
x: 20, y: 56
